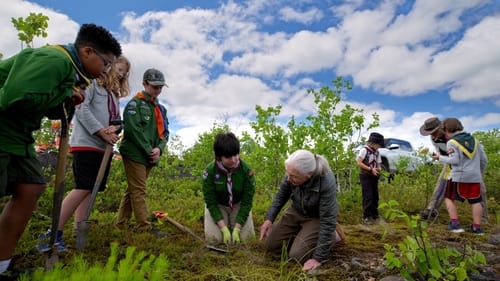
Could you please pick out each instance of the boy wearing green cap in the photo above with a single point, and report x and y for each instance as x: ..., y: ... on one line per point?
x: 144, y: 138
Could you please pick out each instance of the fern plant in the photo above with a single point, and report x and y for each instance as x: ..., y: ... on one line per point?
x: 135, y: 266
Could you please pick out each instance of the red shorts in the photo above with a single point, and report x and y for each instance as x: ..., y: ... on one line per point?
x: 463, y: 190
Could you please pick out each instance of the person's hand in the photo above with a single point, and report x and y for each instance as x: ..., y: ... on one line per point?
x: 154, y: 156
x: 311, y: 264
x: 236, y: 235
x: 226, y: 235
x: 110, y: 138
x: 375, y: 171
x: 78, y: 96
x: 112, y: 129
x: 265, y: 229
x: 435, y: 156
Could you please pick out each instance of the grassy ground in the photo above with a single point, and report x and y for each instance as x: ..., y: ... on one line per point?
x: 189, y: 259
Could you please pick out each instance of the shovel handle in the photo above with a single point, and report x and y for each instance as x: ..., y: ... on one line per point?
x: 98, y: 179
x: 51, y: 256
x: 183, y: 228
x: 190, y: 232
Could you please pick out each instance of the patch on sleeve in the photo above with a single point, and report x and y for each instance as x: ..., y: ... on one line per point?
x: 131, y: 105
x: 250, y: 173
x: 131, y: 112
x: 205, y: 175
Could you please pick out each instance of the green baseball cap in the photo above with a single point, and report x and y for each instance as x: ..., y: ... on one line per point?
x: 154, y: 77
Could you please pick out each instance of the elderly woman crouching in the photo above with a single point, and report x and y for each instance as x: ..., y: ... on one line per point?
x: 308, y: 226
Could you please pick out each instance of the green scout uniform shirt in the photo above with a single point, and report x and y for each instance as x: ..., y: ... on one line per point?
x: 215, y: 190
x: 32, y: 83
x: 140, y: 134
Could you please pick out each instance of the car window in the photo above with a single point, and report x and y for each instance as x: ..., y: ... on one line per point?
x: 403, y: 145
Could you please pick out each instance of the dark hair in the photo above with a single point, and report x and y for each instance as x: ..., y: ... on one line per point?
x: 226, y: 144
x: 99, y: 38
x: 452, y: 125
x: 376, y: 138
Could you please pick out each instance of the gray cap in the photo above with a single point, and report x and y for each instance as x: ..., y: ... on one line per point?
x: 154, y: 77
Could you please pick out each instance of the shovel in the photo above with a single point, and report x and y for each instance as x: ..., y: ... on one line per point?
x: 190, y: 232
x: 51, y: 256
x: 82, y: 227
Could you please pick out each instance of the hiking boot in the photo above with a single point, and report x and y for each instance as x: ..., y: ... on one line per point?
x: 158, y: 233
x: 455, y: 227
x: 476, y: 230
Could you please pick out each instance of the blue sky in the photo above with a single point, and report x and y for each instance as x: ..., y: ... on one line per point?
x: 407, y: 60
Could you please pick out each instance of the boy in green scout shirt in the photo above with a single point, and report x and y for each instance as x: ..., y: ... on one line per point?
x: 144, y: 138
x: 33, y: 84
x: 228, y: 190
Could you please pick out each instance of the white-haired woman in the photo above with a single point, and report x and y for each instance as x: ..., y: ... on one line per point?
x: 308, y: 225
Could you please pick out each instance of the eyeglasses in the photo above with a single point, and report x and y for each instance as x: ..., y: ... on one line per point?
x: 105, y: 61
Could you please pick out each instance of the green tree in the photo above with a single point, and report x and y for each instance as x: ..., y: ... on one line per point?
x: 491, y: 143
x: 34, y: 25
x: 334, y: 131
x: 329, y: 131
x: 201, y: 153
x: 271, y: 147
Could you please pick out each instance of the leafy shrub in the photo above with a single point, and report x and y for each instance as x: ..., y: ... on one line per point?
x: 418, y: 259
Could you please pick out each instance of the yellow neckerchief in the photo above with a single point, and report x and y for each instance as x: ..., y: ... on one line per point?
x: 86, y: 80
x: 465, y: 150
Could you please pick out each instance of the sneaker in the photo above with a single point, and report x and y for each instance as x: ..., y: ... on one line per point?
x: 455, y: 228
x: 59, y: 243
x: 44, y: 241
x: 368, y: 221
x: 476, y: 230
x: 158, y: 233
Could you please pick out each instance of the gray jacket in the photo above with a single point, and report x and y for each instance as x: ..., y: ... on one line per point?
x: 91, y: 116
x: 464, y: 169
x: 316, y: 198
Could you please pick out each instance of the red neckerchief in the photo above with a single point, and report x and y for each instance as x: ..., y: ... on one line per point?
x: 159, y: 117
x: 229, y: 184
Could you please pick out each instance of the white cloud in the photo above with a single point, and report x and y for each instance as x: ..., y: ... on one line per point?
x: 403, y: 54
x: 220, y: 63
x: 305, y: 17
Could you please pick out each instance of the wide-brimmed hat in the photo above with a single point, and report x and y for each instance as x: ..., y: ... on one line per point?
x: 154, y: 77
x: 430, y: 126
x: 376, y: 138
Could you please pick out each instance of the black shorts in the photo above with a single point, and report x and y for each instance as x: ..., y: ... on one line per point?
x: 85, y: 168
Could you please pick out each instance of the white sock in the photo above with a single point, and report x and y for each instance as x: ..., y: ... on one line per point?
x: 4, y: 265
